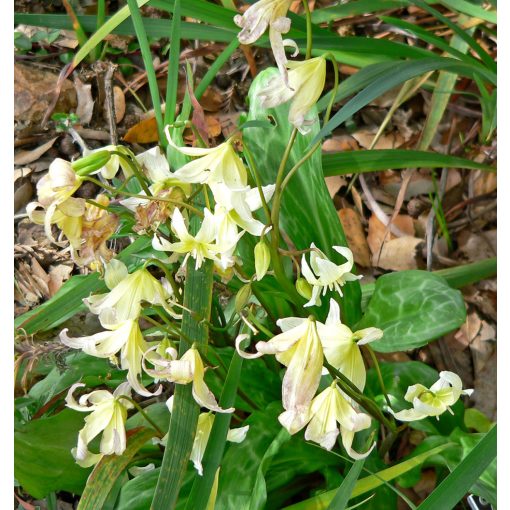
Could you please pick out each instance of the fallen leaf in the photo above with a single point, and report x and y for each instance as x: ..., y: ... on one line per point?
x: 399, y: 254
x: 85, y: 107
x: 377, y: 231
x: 57, y: 276
x: 146, y: 131
x: 355, y: 234
x: 477, y: 246
x: 120, y: 103
x: 484, y: 182
x: 391, y: 140
x: 334, y: 184
x: 23, y: 195
x: 485, y: 395
x: 340, y: 143
x: 26, y: 157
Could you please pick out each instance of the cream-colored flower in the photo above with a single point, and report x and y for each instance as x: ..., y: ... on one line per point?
x: 204, y: 426
x: 109, y: 413
x: 110, y: 170
x: 255, y: 21
x: 325, y: 275
x: 216, y: 165
x: 188, y: 369
x: 306, y: 83
x: 329, y: 408
x: 124, y: 301
x: 262, y: 256
x: 434, y: 401
x: 340, y: 345
x: 300, y: 350
x: 126, y: 338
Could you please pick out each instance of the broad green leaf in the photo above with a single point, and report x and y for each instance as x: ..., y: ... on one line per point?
x: 368, y: 483
x: 412, y: 308
x: 363, y: 161
x: 301, y: 217
x: 137, y: 493
x: 109, y: 468
x: 43, y: 462
x: 451, y: 490
x: 353, y: 8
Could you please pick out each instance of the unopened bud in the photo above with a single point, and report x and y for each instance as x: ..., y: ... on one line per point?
x: 242, y: 298
x: 91, y: 163
x: 262, y: 259
x: 304, y: 288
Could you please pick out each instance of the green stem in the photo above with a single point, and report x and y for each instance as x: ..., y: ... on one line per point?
x: 168, y: 274
x: 144, y: 414
x: 101, y: 17
x: 309, y: 40
x: 352, y: 391
x: 133, y: 164
x: 379, y: 374
x: 256, y: 177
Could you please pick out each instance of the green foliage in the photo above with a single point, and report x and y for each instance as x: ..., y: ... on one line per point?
x: 412, y: 308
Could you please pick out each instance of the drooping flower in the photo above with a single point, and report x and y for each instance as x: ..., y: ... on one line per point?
x: 124, y: 301
x: 299, y: 349
x: 434, y: 401
x: 325, y: 275
x: 111, y: 168
x: 329, y: 408
x: 341, y: 345
x: 306, y: 83
x: 188, y: 369
x: 109, y: 413
x: 216, y: 165
x: 255, y: 21
x: 126, y: 338
x: 204, y: 426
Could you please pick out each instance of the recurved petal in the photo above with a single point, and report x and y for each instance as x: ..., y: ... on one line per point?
x: 408, y: 415
x: 347, y: 439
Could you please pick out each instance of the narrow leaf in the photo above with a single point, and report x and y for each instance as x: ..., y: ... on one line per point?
x: 344, y: 492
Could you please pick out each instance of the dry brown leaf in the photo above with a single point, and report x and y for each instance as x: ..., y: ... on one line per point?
x: 22, y: 195
x: 334, y: 184
x: 340, y: 143
x: 26, y: 157
x: 485, y: 182
x: 228, y: 123
x: 478, y: 246
x: 19, y: 173
x: 57, y: 276
x: 213, y: 126
x: 485, y: 395
x: 399, y: 254
x: 146, y: 131
x: 85, y: 107
x: 355, y: 234
x: 365, y: 137
x: 120, y: 103
x: 376, y: 230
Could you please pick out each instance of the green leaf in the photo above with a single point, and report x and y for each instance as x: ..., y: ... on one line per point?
x: 183, y: 423
x: 363, y: 161
x: 43, y: 461
x: 353, y: 8
x: 412, y: 308
x: 109, y: 468
x: 471, y: 9
x: 344, y: 492
x: 401, y: 72
x: 301, y: 218
x: 173, y: 64
x: 451, y: 490
x: 368, y: 483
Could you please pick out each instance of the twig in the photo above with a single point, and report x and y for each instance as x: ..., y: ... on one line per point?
x: 110, y: 102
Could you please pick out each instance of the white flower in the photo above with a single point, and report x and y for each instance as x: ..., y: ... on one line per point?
x: 340, y: 345
x: 124, y: 301
x: 213, y: 166
x: 154, y: 164
x: 434, y: 401
x: 325, y: 275
x: 299, y: 349
x: 329, y: 408
x: 188, y: 369
x: 254, y: 23
x: 126, y: 338
x: 204, y: 426
x: 109, y: 413
x: 109, y: 171
x: 306, y: 82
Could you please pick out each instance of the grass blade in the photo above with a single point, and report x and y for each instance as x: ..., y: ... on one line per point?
x: 451, y: 490
x: 471, y: 9
x: 173, y: 65
x: 141, y: 35
x: 181, y: 432
x: 109, y: 468
x: 354, y: 8
x: 364, y: 161
x: 344, y: 492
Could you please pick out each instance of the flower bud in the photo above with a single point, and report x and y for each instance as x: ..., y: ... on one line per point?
x: 262, y: 259
x: 91, y: 163
x: 242, y: 298
x: 304, y: 288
